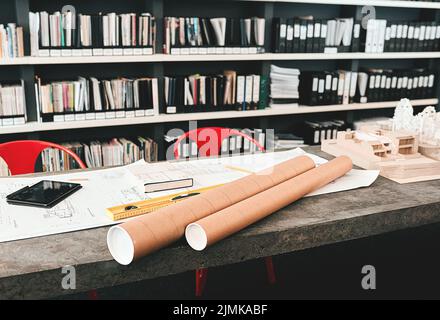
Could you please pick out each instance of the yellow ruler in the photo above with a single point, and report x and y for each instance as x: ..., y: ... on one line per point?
x: 146, y: 206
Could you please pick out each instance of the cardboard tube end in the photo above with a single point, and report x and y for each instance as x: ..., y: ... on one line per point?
x: 196, y: 237
x: 120, y: 245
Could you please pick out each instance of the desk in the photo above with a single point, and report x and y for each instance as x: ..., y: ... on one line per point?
x: 32, y: 268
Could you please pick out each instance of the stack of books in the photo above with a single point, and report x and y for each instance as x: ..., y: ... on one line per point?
x: 12, y: 104
x: 284, y: 86
x: 90, y: 99
x: 74, y: 34
x: 401, y: 36
x: 307, y: 35
x: 371, y: 85
x: 328, y: 88
x: 393, y: 85
x: 194, y: 35
x: 97, y: 154
x: 221, y: 92
x: 11, y: 41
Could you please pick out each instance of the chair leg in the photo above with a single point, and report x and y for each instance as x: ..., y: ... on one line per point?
x: 93, y: 294
x: 201, y: 277
x: 271, y: 278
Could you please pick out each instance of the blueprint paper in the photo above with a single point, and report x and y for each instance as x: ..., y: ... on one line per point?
x: 103, y: 189
x: 83, y: 210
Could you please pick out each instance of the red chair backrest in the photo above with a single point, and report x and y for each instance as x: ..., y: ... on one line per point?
x: 209, y: 140
x: 21, y: 156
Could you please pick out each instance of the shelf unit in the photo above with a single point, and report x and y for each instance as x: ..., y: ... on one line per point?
x: 158, y: 65
x: 374, y: 3
x: 169, y: 118
x: 219, y: 57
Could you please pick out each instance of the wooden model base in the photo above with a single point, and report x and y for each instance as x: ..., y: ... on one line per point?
x: 394, y: 154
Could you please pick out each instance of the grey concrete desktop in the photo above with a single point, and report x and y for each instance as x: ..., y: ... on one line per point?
x: 32, y: 268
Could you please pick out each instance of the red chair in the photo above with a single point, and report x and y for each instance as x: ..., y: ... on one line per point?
x: 209, y: 142
x: 21, y: 156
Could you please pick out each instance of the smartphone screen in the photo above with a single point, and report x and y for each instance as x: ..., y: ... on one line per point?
x: 43, y: 194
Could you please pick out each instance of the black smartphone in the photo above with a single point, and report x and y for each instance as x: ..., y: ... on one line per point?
x: 44, y: 194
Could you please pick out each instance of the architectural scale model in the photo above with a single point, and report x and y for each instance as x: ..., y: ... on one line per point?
x: 406, y: 147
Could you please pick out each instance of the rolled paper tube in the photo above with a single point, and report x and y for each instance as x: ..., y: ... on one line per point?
x: 148, y: 233
x: 232, y: 219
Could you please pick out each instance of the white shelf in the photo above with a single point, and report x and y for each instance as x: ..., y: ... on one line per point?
x: 377, y: 3
x: 164, y: 118
x: 218, y: 57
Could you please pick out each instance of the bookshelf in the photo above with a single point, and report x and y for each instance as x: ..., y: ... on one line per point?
x: 376, y: 3
x: 159, y: 64
x: 170, y: 118
x: 220, y: 57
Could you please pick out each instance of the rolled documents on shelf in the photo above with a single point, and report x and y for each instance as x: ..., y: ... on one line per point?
x: 148, y: 233
x: 232, y: 219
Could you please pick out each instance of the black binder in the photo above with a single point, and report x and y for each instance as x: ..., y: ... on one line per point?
x: 303, y: 36
x: 356, y: 41
x: 316, y: 36
x: 296, y: 35
x: 289, y: 35
x: 310, y: 35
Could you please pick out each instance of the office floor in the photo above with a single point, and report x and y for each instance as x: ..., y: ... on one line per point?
x: 406, y: 262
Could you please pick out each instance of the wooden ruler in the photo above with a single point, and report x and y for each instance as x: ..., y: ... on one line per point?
x: 146, y: 206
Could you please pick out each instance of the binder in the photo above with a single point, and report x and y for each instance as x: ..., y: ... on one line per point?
x: 421, y: 42
x: 280, y: 35
x: 323, y: 36
x: 310, y: 35
x: 410, y: 38
x: 347, y: 83
x: 437, y: 38
x: 255, y: 92
x: 316, y: 36
x: 303, y: 36
x: 393, y: 35
x: 321, y: 89
x: 328, y: 88
x: 405, y: 37
x: 290, y: 35
x: 353, y: 86
x: 341, y: 86
x: 335, y: 82
x: 241, y: 93
x: 355, y: 46
x: 297, y: 33
x: 314, y: 96
x: 362, y: 87
x: 248, y: 91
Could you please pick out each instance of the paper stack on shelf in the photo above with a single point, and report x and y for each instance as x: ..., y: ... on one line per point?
x: 285, y: 141
x: 284, y: 87
x: 11, y: 41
